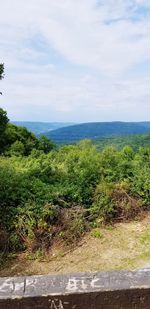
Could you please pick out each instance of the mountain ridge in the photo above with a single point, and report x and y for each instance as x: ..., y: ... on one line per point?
x: 93, y: 130
x: 39, y: 127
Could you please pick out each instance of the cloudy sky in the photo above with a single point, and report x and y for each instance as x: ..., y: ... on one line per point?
x: 75, y: 60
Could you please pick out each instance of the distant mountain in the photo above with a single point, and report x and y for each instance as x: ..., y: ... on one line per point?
x: 95, y: 130
x: 146, y: 124
x: 41, y: 127
x: 135, y: 141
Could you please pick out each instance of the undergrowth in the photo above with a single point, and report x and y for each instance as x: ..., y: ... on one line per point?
x: 59, y: 196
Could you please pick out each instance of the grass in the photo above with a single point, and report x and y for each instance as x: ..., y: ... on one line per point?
x: 96, y: 233
x: 145, y: 238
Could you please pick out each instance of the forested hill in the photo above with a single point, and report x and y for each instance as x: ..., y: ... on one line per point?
x: 39, y: 127
x: 94, y: 130
x: 119, y: 142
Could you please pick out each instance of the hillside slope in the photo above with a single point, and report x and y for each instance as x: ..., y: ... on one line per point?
x: 135, y: 141
x: 75, y: 133
x: 40, y: 127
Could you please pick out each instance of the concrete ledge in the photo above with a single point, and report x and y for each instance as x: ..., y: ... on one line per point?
x: 116, y: 290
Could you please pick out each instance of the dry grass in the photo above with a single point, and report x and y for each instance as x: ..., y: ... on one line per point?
x: 122, y: 246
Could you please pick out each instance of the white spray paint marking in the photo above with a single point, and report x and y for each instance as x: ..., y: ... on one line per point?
x: 94, y: 284
x: 18, y: 286
x: 6, y: 285
x: 31, y: 282
x: 75, y: 284
x: 55, y: 304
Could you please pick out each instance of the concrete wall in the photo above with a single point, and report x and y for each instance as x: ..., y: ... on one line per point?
x: 85, y: 291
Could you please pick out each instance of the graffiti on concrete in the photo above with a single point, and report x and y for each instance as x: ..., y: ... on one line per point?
x: 57, y: 304
x: 78, y: 290
x: 13, y: 286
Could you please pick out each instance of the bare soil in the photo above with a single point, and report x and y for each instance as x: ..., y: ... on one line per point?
x: 121, y: 246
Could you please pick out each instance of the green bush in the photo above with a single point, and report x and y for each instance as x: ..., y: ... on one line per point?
x: 60, y: 194
x: 103, y: 205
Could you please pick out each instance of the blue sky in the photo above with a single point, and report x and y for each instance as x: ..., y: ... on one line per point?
x: 78, y: 61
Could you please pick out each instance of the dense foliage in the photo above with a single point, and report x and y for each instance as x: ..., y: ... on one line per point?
x: 18, y: 140
x: 62, y: 193
x: 135, y: 141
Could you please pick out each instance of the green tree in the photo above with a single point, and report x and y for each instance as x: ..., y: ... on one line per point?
x: 45, y: 144
x: 3, y: 125
x: 17, y: 148
x: 3, y: 115
x: 14, y: 133
x: 3, y: 120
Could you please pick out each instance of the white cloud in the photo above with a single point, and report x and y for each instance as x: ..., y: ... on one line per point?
x: 99, y: 43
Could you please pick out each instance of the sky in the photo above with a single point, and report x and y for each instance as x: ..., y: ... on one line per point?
x: 75, y: 60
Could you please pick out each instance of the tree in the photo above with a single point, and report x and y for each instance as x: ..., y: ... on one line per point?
x: 17, y: 148
x: 3, y: 114
x: 45, y: 144
x: 14, y: 133
x: 3, y: 125
x: 3, y: 120
x: 1, y: 70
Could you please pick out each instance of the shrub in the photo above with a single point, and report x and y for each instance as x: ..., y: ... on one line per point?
x: 96, y: 233
x: 17, y: 148
x: 60, y: 195
x: 103, y: 206
x: 114, y: 201
x: 72, y: 223
x: 34, y: 225
x: 141, y: 185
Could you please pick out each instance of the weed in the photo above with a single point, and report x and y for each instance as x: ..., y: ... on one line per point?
x: 96, y: 233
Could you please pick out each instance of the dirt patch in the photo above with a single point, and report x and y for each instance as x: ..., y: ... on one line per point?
x: 122, y: 246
